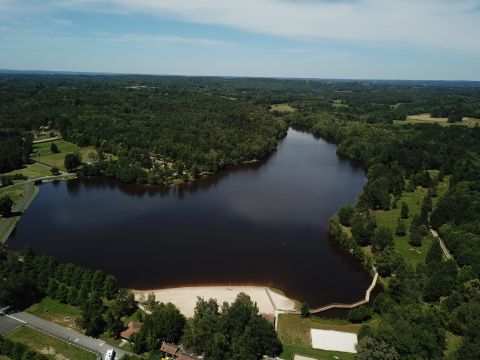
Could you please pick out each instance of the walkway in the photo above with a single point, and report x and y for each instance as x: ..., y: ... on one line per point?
x: 446, y: 253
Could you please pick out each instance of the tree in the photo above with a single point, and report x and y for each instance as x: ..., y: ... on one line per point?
x: 91, y: 317
x: 305, y: 310
x: 363, y: 226
x: 54, y: 148
x: 166, y: 323
x: 205, y: 323
x: 6, y: 206
x: 72, y: 161
x: 369, y: 348
x: 382, y: 238
x: 359, y: 314
x: 55, y: 171
x: 415, y: 238
x: 401, y: 229
x: 345, y: 214
x: 435, y: 252
x: 404, y: 211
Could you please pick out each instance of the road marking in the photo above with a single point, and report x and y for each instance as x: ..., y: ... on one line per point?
x: 14, y: 318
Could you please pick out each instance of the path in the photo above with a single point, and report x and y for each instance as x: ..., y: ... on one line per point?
x: 7, y: 226
x: 446, y: 253
x: 48, y: 139
x: 65, y: 334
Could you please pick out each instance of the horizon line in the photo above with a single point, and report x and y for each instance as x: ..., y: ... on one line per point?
x: 97, y: 73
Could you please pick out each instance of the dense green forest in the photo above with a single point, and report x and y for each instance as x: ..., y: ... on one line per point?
x: 420, y: 303
x: 167, y: 129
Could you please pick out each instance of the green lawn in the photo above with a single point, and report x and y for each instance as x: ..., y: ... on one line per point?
x: 14, y: 192
x: 43, y: 154
x: 294, y: 332
x: 413, y: 255
x: 54, y: 310
x: 54, y: 349
x: 285, y: 108
x: 32, y: 171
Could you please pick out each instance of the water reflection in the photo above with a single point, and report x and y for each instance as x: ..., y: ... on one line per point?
x: 263, y: 223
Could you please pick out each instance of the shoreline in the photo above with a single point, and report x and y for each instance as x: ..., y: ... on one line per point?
x: 269, y: 301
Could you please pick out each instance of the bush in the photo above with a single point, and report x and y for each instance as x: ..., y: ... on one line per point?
x: 359, y: 314
x: 415, y: 239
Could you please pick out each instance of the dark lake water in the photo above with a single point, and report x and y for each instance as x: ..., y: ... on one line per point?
x: 262, y: 224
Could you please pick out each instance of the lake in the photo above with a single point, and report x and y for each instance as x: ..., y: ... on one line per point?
x: 260, y: 224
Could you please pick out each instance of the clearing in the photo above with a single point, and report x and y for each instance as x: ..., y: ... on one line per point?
x: 427, y: 118
x: 284, y: 108
x: 49, y: 346
x: 295, y: 334
x: 44, y: 155
x: 53, y: 310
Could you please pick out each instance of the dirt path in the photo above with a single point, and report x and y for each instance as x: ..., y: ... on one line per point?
x: 437, y: 237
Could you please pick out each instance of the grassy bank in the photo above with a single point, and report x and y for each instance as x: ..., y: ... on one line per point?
x: 44, y: 155
x: 49, y: 346
x: 53, y: 310
x: 294, y: 332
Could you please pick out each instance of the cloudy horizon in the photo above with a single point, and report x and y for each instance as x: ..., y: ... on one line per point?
x: 350, y: 39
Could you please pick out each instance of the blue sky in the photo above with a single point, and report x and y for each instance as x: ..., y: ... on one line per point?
x: 375, y: 39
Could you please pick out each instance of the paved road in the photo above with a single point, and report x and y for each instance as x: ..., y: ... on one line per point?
x: 7, y: 325
x: 65, y: 334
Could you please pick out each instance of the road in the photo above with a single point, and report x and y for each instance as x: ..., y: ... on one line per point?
x: 446, y: 253
x: 60, y: 332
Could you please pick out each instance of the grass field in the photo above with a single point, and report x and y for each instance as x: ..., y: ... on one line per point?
x: 43, y: 154
x: 32, y: 171
x: 294, y: 332
x: 53, y: 310
x: 426, y: 118
x: 14, y: 192
x: 285, y: 108
x: 54, y: 349
x: 413, y: 255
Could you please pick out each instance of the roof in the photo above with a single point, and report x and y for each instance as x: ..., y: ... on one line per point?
x: 170, y: 349
x: 183, y: 356
x: 133, y: 328
x: 270, y: 318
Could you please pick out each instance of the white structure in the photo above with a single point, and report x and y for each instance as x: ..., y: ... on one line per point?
x: 110, y: 355
x: 334, y: 340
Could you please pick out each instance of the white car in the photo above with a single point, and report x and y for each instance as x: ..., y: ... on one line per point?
x: 110, y: 355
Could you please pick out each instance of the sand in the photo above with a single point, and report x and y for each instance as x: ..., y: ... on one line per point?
x: 185, y: 298
x: 334, y: 340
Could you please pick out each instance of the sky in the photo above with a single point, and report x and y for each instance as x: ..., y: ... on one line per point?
x: 348, y: 39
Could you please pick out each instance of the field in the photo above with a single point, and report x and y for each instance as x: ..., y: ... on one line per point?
x: 285, y: 108
x: 53, y: 310
x: 32, y: 171
x: 43, y: 154
x: 54, y: 349
x: 412, y: 255
x: 294, y: 332
x: 426, y: 118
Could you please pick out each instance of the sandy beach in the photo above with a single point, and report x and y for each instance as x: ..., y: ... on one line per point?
x: 185, y: 298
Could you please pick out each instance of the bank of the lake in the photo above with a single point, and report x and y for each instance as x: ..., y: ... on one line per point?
x: 263, y: 224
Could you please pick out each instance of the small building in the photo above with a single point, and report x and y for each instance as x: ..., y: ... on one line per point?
x: 183, y: 356
x: 169, y: 349
x: 133, y: 328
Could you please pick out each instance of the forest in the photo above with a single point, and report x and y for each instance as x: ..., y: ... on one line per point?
x: 420, y: 303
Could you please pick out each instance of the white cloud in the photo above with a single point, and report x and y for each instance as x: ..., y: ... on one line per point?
x: 443, y: 24
x: 174, y: 39
x: 434, y: 24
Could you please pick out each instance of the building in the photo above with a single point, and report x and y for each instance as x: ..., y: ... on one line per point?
x: 133, y: 328
x: 169, y: 349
